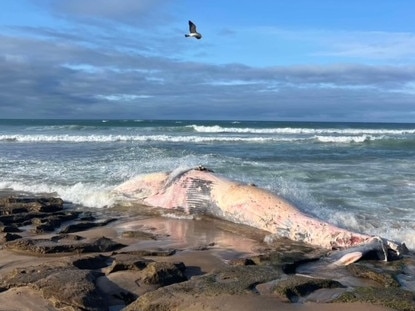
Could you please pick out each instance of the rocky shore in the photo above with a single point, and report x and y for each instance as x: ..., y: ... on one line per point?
x: 57, y: 257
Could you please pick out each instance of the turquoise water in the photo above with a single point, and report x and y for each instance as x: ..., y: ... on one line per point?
x: 357, y: 175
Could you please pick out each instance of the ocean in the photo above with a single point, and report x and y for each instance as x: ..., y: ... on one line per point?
x: 360, y: 176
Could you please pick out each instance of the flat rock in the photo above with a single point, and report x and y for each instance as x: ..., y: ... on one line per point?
x: 72, y: 287
x: 237, y: 280
x: 85, y: 225
x: 44, y: 214
x: 295, y: 287
x: 53, y: 246
x: 164, y: 273
x: 123, y: 262
x: 11, y: 205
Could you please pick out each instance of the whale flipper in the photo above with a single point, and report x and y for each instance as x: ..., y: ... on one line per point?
x: 348, y: 259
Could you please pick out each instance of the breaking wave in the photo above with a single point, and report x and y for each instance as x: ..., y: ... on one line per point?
x: 194, y: 138
x: 307, y: 131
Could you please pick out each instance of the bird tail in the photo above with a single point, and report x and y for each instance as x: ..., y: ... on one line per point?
x: 186, y: 35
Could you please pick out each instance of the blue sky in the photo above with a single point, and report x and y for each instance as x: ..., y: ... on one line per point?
x: 321, y: 60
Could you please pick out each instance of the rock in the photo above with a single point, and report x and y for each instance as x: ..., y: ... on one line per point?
x: 68, y: 287
x: 72, y: 287
x: 139, y: 235
x: 124, y: 262
x: 157, y: 252
x: 392, y: 297
x: 237, y: 280
x: 48, y: 223
x: 164, y: 273
x: 288, y: 256
x: 242, y: 262
x: 384, y: 278
x: 12, y: 205
x: 84, y: 225
x: 204, y: 247
x: 10, y: 228
x: 45, y: 213
x: 67, y: 238
x: 295, y: 287
x: 53, y: 246
x: 92, y: 262
x: 28, y: 275
x: 6, y: 237
x: 94, y: 274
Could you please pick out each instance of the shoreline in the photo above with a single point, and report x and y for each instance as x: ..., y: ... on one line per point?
x: 132, y: 258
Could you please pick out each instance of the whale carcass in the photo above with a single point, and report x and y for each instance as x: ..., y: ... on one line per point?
x: 200, y: 191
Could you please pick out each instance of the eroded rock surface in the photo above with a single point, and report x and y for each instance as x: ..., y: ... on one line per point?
x: 53, y: 255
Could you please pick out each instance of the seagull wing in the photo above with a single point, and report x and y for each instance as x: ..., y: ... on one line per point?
x: 192, y: 27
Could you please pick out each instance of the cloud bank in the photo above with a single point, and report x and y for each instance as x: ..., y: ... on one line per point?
x: 127, y: 69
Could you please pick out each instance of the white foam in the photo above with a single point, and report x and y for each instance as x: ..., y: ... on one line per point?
x: 344, y: 139
x: 234, y: 135
x: 126, y: 138
x: 88, y: 195
x: 294, y: 130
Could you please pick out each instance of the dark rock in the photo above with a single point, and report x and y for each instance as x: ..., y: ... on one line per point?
x: 21, y: 219
x: 164, y: 273
x: 126, y: 297
x: 297, y: 286
x: 159, y: 252
x: 44, y: 246
x: 28, y: 275
x: 231, y: 281
x: 92, y: 262
x: 79, y: 227
x: 10, y: 205
x: 50, y: 223
x: 391, y: 297
x: 87, y: 216
x: 85, y: 225
x: 204, y: 247
x: 72, y: 287
x: 382, y: 277
x: 10, y: 228
x: 67, y: 237
x: 44, y: 228
x: 288, y: 258
x: 45, y: 214
x: 241, y: 262
x: 124, y: 262
x: 6, y: 237
x: 139, y: 235
x: 103, y: 244
x: 67, y: 287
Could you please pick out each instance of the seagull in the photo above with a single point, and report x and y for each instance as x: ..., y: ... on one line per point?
x: 193, y: 32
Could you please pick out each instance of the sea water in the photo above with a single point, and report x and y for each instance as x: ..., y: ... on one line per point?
x: 360, y: 176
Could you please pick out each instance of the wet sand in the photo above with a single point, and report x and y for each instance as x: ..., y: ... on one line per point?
x: 203, y: 245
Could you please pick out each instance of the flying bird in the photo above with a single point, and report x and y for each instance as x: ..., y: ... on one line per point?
x: 193, y: 32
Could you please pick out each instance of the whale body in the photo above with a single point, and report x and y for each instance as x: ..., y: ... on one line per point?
x: 200, y: 191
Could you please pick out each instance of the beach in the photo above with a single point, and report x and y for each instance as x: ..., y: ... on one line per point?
x: 137, y: 258
x: 118, y: 255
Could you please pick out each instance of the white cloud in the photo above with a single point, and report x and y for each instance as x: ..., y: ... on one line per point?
x: 122, y: 97
x: 368, y: 45
x: 121, y: 11
x: 372, y: 44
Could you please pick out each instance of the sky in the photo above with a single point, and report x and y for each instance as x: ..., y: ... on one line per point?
x: 320, y: 60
